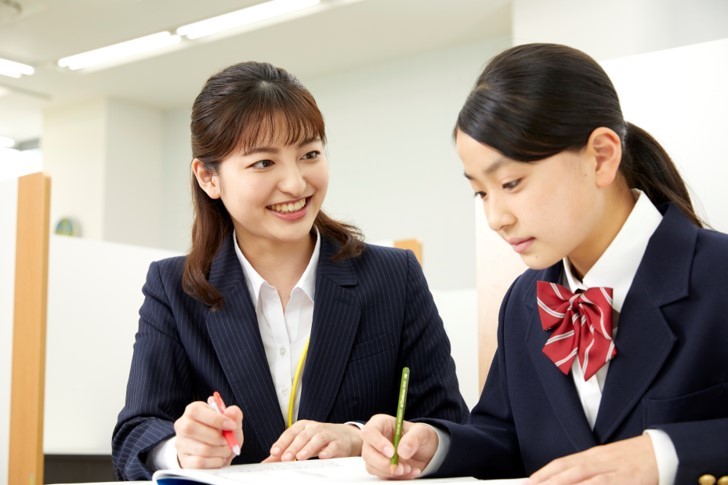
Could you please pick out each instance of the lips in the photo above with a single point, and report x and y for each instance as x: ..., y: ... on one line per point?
x: 521, y: 244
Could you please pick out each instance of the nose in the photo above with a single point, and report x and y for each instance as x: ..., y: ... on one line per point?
x: 497, y: 213
x: 293, y: 181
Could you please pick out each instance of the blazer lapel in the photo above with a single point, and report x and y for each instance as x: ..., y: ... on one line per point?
x: 645, y: 340
x: 235, y: 335
x: 559, y: 388
x: 335, y: 322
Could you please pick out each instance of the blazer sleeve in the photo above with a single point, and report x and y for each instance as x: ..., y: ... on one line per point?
x: 156, y: 393
x: 425, y: 348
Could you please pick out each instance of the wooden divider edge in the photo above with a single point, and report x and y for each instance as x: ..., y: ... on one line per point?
x: 413, y: 244
x: 25, y: 457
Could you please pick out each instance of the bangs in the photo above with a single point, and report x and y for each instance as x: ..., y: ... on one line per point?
x: 280, y: 118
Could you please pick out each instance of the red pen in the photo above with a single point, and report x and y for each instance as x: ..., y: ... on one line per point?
x: 215, y: 402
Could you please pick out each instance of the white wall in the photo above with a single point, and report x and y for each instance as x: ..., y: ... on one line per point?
x: 94, y: 295
x: 679, y: 96
x: 176, y: 222
x: 104, y: 157
x: 8, y: 222
x: 74, y: 148
x: 133, y: 192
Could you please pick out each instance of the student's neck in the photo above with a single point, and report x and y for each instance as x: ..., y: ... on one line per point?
x: 280, y: 264
x: 615, y: 215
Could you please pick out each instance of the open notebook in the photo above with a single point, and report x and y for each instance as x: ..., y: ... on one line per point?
x: 342, y: 471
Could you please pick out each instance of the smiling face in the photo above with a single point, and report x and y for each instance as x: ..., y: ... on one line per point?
x: 273, y: 192
x: 546, y: 210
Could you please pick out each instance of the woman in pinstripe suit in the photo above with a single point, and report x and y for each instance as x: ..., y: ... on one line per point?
x: 273, y: 290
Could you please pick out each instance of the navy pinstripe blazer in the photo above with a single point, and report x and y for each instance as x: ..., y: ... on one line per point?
x: 670, y: 372
x: 373, y: 315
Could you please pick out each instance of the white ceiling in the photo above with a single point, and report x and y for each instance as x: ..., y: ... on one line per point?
x: 341, y: 36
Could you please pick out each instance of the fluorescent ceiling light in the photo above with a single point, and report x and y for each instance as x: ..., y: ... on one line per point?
x: 246, y: 16
x: 6, y: 142
x: 115, y: 52
x: 15, y: 69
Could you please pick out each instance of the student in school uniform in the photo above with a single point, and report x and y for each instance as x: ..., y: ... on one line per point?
x: 301, y: 327
x: 610, y: 365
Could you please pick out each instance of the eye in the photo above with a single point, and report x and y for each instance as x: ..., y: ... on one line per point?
x: 511, y: 185
x: 480, y: 194
x: 262, y: 164
x: 312, y: 155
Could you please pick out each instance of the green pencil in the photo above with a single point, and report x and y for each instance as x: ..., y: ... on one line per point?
x: 404, y: 384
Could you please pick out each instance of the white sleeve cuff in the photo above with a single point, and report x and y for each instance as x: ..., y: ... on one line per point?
x: 356, y: 423
x: 443, y: 446
x: 164, y: 456
x: 665, y: 454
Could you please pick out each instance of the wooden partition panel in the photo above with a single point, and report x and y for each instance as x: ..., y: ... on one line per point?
x: 413, y: 244
x: 25, y: 460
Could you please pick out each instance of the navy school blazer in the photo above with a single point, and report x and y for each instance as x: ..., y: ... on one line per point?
x: 670, y: 372
x: 373, y: 314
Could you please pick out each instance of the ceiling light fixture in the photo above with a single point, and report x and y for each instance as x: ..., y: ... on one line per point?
x: 14, y: 69
x: 247, y: 16
x: 110, y: 54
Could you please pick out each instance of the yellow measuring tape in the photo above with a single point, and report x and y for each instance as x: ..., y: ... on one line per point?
x: 296, y: 378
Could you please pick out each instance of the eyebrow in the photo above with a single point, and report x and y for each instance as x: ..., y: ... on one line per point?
x: 492, y: 168
x: 270, y: 149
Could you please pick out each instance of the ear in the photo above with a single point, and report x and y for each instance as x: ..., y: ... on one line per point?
x: 606, y: 148
x: 208, y: 180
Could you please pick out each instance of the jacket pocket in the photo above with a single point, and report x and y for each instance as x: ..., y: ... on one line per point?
x: 371, y: 347
x: 708, y: 403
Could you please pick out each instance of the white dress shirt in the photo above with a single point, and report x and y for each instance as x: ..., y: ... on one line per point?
x: 284, y: 334
x: 616, y: 268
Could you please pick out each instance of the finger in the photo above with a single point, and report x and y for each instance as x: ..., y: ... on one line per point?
x: 381, y: 468
x: 377, y: 433
x: 271, y: 459
x: 414, y: 437
x: 189, y: 447
x: 186, y: 428
x: 317, y: 443
x: 303, y: 437
x: 235, y: 414
x: 285, y: 439
x: 332, y: 450
x: 200, y: 412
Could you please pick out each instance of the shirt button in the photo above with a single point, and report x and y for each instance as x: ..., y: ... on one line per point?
x: 284, y: 390
x: 282, y: 351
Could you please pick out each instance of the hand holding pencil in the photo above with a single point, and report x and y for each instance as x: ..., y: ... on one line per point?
x: 412, y: 445
x: 416, y: 447
x: 200, y: 435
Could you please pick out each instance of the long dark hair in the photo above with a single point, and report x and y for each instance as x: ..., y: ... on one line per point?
x: 244, y: 105
x: 535, y: 100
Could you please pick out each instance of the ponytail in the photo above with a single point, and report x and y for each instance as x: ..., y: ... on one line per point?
x: 648, y: 167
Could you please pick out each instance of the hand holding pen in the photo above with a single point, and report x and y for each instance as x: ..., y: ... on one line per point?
x: 200, y: 440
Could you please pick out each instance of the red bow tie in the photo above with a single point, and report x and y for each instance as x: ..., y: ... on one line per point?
x: 581, y: 323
